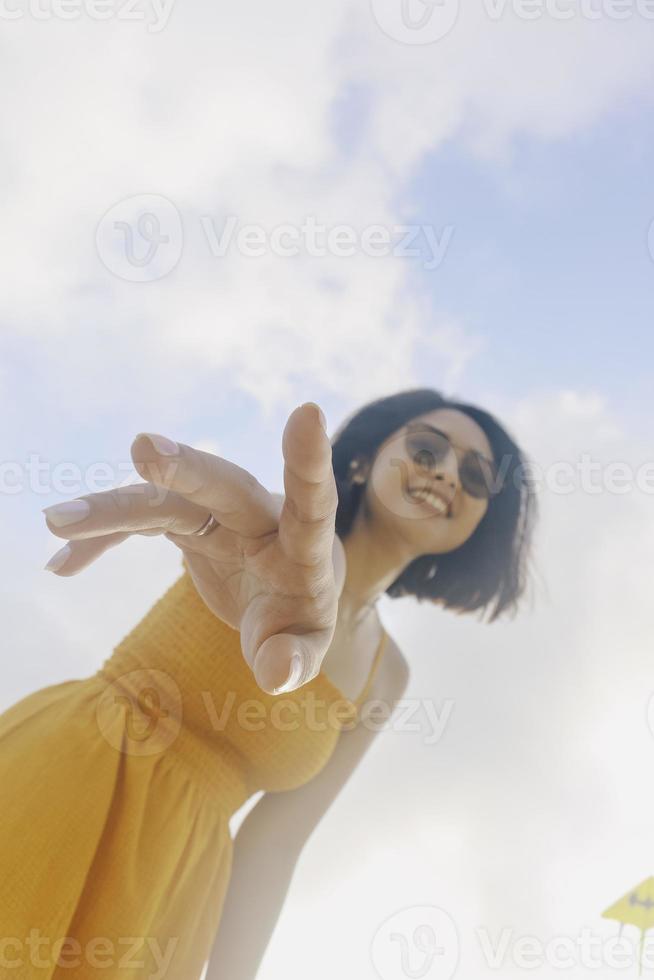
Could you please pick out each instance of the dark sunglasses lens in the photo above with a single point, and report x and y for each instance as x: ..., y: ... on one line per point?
x: 426, y: 448
x: 476, y: 476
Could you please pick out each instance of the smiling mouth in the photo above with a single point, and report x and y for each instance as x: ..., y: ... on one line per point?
x: 435, y: 501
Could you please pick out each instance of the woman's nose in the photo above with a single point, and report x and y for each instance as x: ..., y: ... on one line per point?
x: 447, y: 473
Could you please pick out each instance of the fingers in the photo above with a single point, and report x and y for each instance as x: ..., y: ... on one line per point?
x: 136, y: 508
x: 77, y: 555
x: 234, y: 495
x: 306, y: 523
x: 285, y: 661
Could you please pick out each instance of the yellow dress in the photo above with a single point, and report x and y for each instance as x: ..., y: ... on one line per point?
x: 117, y: 789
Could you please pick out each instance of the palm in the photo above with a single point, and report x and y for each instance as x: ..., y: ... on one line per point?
x: 268, y: 570
x: 248, y: 576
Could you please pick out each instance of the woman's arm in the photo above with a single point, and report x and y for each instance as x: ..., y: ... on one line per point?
x: 272, y: 836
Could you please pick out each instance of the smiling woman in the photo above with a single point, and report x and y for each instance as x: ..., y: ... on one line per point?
x: 418, y: 442
x: 127, y: 821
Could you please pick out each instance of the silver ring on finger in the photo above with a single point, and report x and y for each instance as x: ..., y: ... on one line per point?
x: 209, y: 525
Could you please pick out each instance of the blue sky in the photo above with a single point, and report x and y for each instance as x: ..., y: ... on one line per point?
x: 549, y: 261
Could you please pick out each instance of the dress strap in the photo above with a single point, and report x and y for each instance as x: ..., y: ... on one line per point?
x: 373, y: 670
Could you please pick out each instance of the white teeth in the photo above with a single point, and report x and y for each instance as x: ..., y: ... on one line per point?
x: 430, y: 498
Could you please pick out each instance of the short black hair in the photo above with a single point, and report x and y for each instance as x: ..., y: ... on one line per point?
x: 490, y: 569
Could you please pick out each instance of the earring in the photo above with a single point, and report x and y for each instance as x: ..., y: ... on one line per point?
x: 432, y: 571
x: 356, y: 475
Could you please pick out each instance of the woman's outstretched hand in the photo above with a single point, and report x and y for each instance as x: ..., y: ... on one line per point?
x: 266, y: 570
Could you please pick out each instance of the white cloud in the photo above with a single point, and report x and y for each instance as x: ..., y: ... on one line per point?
x: 235, y: 112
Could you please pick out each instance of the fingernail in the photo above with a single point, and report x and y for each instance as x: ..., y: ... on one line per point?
x: 67, y: 513
x: 294, y: 675
x: 268, y: 670
x: 320, y: 414
x: 161, y: 444
x: 58, y: 559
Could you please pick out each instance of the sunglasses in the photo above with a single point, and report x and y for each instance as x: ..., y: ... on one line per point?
x: 428, y: 446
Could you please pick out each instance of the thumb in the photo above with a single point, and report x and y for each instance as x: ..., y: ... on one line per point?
x: 286, y: 661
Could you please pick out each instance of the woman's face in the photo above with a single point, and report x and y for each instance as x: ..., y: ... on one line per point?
x: 403, y: 472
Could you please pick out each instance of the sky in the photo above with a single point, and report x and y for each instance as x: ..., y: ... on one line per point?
x: 513, y: 145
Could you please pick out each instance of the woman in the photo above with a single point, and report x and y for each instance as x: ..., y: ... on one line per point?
x: 118, y: 788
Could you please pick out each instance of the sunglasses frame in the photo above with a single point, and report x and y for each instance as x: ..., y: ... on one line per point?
x: 461, y: 452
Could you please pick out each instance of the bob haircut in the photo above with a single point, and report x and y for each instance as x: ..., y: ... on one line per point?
x: 487, y: 570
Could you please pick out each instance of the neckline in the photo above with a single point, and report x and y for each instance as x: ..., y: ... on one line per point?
x: 371, y: 673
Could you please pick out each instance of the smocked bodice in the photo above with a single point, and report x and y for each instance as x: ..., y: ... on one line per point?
x: 186, y: 690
